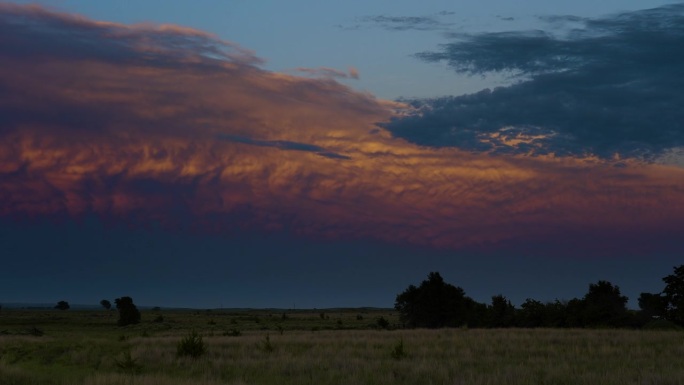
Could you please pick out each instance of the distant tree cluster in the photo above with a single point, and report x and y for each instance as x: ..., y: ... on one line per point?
x: 436, y: 304
x: 128, y: 312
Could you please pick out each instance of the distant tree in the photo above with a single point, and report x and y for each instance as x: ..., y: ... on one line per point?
x: 501, y: 313
x: 532, y: 314
x: 653, y: 305
x: 674, y: 294
x: 433, y: 304
x: 573, y: 313
x: 604, y: 305
x: 62, y: 305
x: 128, y: 312
x: 106, y: 304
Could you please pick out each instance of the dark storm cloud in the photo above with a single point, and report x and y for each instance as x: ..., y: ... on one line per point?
x: 35, y: 32
x: 284, y: 145
x: 145, y: 125
x: 611, y: 86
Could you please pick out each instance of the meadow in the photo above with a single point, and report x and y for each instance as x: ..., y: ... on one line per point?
x: 51, y: 347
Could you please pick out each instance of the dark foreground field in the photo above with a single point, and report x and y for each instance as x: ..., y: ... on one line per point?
x: 43, y: 347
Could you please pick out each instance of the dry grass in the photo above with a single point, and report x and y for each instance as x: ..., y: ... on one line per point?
x: 446, y: 356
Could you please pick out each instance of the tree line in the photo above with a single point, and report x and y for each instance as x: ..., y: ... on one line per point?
x: 436, y: 304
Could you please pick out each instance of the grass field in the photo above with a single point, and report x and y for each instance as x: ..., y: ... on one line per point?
x: 307, y: 347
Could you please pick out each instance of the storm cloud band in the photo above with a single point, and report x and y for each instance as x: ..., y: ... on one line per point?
x: 150, y: 124
x: 608, y: 86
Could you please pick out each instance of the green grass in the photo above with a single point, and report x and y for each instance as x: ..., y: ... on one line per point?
x: 304, y: 348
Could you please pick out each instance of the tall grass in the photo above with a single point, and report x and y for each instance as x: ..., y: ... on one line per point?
x: 445, y: 356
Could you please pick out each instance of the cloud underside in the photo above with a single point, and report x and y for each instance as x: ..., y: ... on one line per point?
x: 163, y: 124
x: 607, y: 86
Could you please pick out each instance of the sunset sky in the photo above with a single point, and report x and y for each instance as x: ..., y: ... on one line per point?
x: 321, y: 154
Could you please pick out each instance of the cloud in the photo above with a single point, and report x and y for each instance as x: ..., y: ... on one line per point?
x: 606, y: 86
x: 329, y: 73
x: 284, y: 145
x: 404, y: 23
x: 142, y: 125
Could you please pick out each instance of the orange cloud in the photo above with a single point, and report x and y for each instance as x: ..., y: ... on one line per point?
x: 142, y: 130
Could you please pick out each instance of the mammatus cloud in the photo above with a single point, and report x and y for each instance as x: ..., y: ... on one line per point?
x: 149, y: 124
x: 608, y: 86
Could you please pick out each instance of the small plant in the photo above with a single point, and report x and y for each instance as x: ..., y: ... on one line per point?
x: 192, y: 345
x: 34, y: 331
x: 266, y: 345
x: 383, y: 323
x: 398, y: 351
x: 128, y: 364
x: 232, y: 333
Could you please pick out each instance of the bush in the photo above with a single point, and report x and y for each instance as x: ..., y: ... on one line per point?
x: 128, y: 312
x: 266, y: 345
x: 398, y: 350
x: 128, y: 364
x: 192, y: 345
x: 383, y: 323
x: 232, y: 333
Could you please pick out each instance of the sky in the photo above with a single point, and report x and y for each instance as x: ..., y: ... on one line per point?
x: 317, y: 154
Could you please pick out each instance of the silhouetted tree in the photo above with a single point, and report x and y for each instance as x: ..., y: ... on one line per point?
x: 106, y: 304
x: 532, y: 314
x: 604, y: 305
x: 573, y: 313
x: 674, y: 293
x: 501, y: 313
x: 653, y: 305
x: 128, y: 312
x: 433, y: 304
x: 62, y: 305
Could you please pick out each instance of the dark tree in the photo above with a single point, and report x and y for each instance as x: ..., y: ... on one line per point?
x: 532, y: 314
x: 128, y: 312
x: 62, y: 305
x: 501, y: 313
x: 674, y: 293
x: 604, y: 305
x: 653, y: 305
x: 433, y: 304
x: 106, y: 304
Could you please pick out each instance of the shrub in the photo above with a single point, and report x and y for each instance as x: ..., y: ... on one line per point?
x: 398, y: 350
x: 192, y: 345
x: 34, y: 331
x: 232, y: 333
x: 266, y: 345
x: 383, y: 323
x: 128, y: 312
x: 127, y: 363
